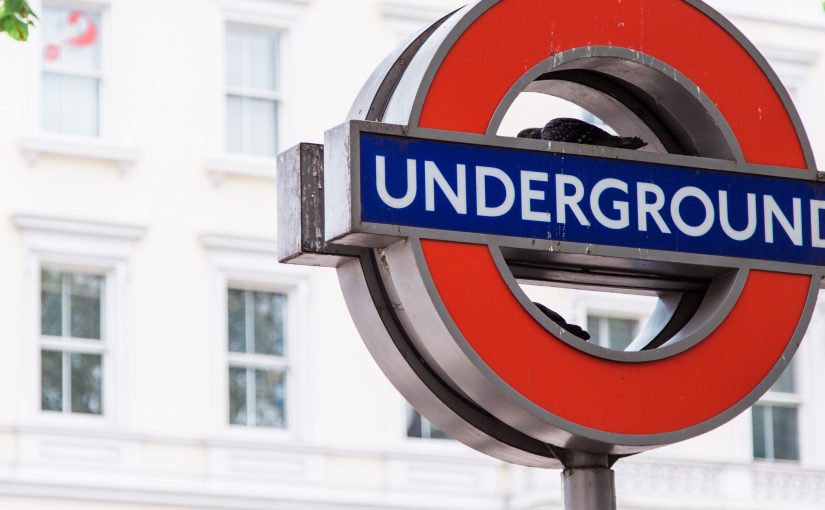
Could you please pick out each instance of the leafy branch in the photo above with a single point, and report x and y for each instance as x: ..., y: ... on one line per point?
x: 15, y: 18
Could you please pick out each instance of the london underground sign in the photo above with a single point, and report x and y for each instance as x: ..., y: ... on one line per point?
x: 432, y: 219
x: 406, y: 183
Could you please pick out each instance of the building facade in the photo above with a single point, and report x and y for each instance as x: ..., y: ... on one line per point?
x: 155, y: 353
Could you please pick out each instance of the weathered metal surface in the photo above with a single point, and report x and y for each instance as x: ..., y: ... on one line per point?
x: 300, y: 189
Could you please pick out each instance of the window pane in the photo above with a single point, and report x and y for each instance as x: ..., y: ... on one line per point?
x: 622, y: 332
x: 71, y: 104
x: 71, y: 37
x: 786, y: 382
x: 51, y: 316
x: 86, y: 305
x: 593, y: 327
x: 236, y: 320
x: 51, y: 380
x: 270, y: 315
x: 414, y: 423
x: 237, y: 396
x: 234, y: 57
x: 270, y: 396
x: 251, y: 58
x: 261, y: 60
x: 86, y: 374
x: 619, y: 332
x: 234, y: 124
x: 785, y: 433
x: 251, y: 126
x: 759, y: 432
x: 261, y: 128
x: 419, y: 426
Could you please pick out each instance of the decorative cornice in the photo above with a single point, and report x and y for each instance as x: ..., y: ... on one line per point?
x: 36, y: 144
x: 265, y: 8
x: 412, y: 12
x: 62, y: 225
x: 233, y: 243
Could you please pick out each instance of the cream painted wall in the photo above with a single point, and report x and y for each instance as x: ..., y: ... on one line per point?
x: 169, y: 445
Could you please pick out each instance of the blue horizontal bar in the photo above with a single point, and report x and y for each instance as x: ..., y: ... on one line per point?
x: 549, y: 196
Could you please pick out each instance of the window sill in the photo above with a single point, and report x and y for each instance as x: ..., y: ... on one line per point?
x: 415, y: 447
x: 61, y: 145
x: 245, y: 166
x: 779, y: 398
x: 241, y: 436
x: 789, y: 464
x: 78, y: 422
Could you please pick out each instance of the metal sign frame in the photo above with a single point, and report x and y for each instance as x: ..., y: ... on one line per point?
x: 421, y: 304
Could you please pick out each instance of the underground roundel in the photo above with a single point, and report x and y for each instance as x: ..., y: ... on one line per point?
x: 432, y: 220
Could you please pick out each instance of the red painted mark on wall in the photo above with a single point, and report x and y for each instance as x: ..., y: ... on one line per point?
x: 86, y: 37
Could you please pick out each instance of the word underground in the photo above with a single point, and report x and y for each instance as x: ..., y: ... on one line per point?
x: 541, y: 195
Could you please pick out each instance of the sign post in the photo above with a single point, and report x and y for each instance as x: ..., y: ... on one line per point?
x: 432, y: 219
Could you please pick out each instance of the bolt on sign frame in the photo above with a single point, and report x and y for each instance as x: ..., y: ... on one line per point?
x: 436, y: 298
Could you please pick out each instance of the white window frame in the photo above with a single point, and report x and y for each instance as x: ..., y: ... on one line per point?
x: 434, y: 466
x: 248, y: 360
x: 794, y: 64
x: 783, y: 399
x: 603, y: 324
x: 425, y: 424
x: 283, y: 18
x: 99, y: 73
x: 242, y: 263
x: 402, y: 444
x: 615, y: 306
x: 811, y: 380
x: 73, y: 345
x: 112, y: 143
x: 272, y: 95
x: 78, y: 246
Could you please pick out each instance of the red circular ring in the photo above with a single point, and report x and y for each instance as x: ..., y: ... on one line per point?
x: 653, y: 397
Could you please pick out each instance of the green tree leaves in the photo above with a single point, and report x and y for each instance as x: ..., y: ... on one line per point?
x: 15, y: 18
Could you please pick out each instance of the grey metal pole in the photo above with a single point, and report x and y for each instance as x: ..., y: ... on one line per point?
x: 588, y: 482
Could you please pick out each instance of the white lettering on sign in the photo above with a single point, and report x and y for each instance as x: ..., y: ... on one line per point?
x: 724, y: 218
x: 691, y: 210
x: 381, y: 184
x: 772, y: 211
x: 482, y: 207
x: 457, y: 197
x: 676, y: 211
x: 645, y: 208
x: 528, y: 195
x: 817, y: 206
x: 623, y: 208
x: 564, y: 201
